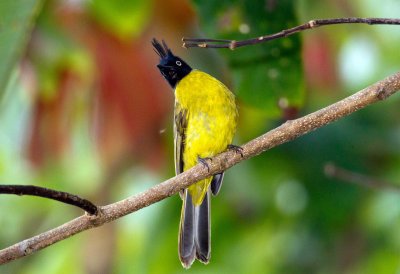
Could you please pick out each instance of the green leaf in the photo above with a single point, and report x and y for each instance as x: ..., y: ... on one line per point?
x: 265, y: 73
x: 16, y: 20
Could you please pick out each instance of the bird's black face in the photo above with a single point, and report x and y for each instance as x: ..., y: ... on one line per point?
x: 171, y: 67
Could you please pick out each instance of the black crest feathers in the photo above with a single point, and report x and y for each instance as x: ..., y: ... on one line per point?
x: 161, y: 49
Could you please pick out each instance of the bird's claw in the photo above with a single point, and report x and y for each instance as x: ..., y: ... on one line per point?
x: 237, y: 149
x: 203, y: 161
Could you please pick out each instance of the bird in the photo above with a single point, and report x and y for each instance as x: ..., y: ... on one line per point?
x: 205, y: 121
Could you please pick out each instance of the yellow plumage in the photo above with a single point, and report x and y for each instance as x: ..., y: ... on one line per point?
x: 211, y: 116
x: 204, y: 125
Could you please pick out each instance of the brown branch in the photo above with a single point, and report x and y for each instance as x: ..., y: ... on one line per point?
x: 333, y: 171
x: 282, y: 134
x: 64, y: 197
x: 232, y: 44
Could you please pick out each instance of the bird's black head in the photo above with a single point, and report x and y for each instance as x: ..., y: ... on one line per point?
x: 171, y: 67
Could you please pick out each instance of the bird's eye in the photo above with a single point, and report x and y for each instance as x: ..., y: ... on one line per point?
x: 178, y: 63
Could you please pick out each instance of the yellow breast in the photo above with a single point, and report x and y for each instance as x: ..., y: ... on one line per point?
x: 212, y: 119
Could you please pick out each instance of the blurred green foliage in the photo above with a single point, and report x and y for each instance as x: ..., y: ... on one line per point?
x: 87, y: 85
x: 16, y: 22
x: 266, y: 73
x: 126, y: 19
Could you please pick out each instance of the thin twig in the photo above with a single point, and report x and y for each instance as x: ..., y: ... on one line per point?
x: 286, y: 132
x: 333, y: 171
x: 60, y: 196
x: 232, y: 44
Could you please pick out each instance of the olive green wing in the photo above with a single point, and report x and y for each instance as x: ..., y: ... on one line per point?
x: 180, y: 126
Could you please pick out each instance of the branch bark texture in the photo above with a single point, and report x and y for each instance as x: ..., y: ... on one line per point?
x: 286, y: 132
x: 312, y: 24
x: 56, y: 195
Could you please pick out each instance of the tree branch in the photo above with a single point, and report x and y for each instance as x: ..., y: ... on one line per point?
x: 64, y: 197
x: 232, y: 44
x: 282, y: 134
x: 333, y: 171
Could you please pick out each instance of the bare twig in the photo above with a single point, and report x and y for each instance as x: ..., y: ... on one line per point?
x: 232, y: 44
x: 333, y: 171
x: 286, y: 132
x: 60, y: 196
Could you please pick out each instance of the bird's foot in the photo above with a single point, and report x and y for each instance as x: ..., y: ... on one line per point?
x: 237, y: 149
x: 203, y: 161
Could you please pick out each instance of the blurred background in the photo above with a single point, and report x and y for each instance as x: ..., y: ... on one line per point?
x: 83, y: 109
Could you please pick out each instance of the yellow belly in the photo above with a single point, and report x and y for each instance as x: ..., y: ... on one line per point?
x: 212, y: 120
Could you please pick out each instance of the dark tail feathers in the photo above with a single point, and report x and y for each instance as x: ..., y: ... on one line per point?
x: 195, y: 231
